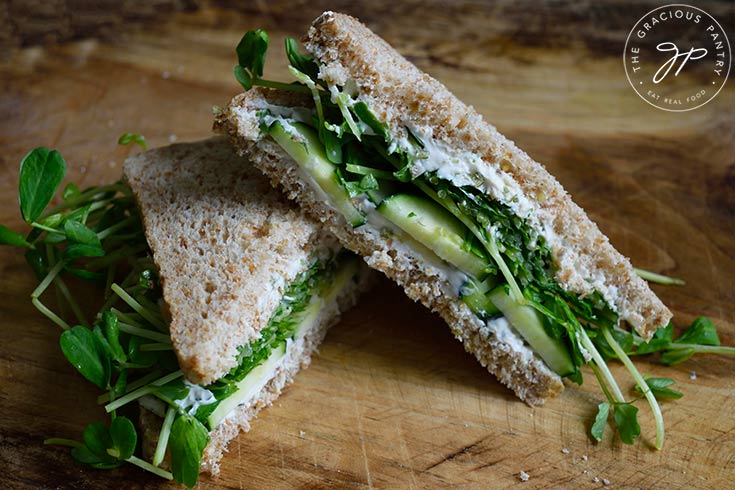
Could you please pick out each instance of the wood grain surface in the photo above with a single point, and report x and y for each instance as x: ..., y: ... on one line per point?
x: 392, y: 401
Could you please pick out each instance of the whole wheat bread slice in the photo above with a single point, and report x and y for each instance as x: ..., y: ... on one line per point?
x: 402, y: 96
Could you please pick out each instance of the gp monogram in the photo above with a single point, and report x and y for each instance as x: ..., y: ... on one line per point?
x: 677, y: 57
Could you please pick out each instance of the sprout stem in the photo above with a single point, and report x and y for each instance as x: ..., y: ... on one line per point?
x: 61, y: 285
x: 156, y: 347
x: 659, y: 278
x: 145, y: 390
x: 658, y: 417
x: 145, y: 333
x: 149, y: 467
x: 617, y: 395
x: 133, y: 385
x: 163, y: 436
x: 704, y: 349
x: 47, y: 280
x: 50, y: 314
x: 157, y: 322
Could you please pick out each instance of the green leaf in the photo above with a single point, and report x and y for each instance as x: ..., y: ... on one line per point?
x: 76, y: 250
x: 121, y: 383
x: 626, y: 418
x: 97, y: 439
x: 41, y: 172
x: 362, y: 111
x: 242, y: 76
x: 70, y: 191
x: 659, y: 387
x: 85, y: 274
x: 85, y: 352
x: 677, y: 356
x: 112, y: 334
x: 302, y: 62
x: 84, y: 456
x: 137, y: 356
x: 124, y: 437
x: 251, y: 52
x: 660, y: 341
x: 702, y: 331
x: 603, y: 411
x: 12, y: 238
x: 38, y: 262
x: 79, y: 233
x: 127, y: 138
x: 332, y: 145
x: 186, y: 444
x: 53, y: 220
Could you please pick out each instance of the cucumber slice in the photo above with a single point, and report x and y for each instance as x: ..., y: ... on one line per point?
x: 386, y: 190
x: 248, y: 387
x: 254, y: 381
x: 527, y: 322
x: 302, y: 143
x: 435, y: 228
x: 475, y: 295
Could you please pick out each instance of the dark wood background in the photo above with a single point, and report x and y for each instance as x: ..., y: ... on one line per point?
x: 391, y: 401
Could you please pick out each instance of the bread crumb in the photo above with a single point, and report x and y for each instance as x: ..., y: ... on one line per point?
x: 584, y: 472
x: 565, y: 450
x: 584, y: 457
x: 596, y: 479
x: 692, y: 375
x: 302, y: 433
x: 523, y: 476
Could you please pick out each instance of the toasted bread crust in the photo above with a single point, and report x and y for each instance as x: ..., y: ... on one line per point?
x: 226, y: 245
x: 402, y: 95
x: 530, y: 379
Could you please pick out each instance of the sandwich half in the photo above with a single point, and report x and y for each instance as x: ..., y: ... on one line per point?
x: 415, y: 181
x: 248, y: 283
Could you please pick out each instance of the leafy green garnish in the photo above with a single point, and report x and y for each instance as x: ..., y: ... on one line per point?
x: 251, y: 57
x: 104, y: 447
x: 603, y: 411
x: 12, y: 238
x: 626, y: 419
x: 87, y: 354
x: 126, y: 139
x: 186, y: 444
x: 302, y: 62
x: 660, y: 388
x: 41, y: 172
x: 699, y: 338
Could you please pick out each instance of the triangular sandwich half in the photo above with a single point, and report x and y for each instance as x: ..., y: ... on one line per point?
x: 429, y: 193
x: 250, y: 286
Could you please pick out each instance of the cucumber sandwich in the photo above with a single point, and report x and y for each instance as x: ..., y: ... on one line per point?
x: 416, y: 182
x: 216, y: 292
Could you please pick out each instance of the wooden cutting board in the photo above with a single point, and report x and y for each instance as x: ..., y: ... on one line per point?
x: 392, y: 401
